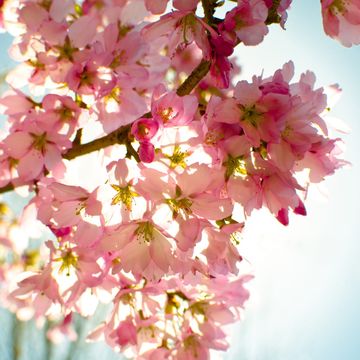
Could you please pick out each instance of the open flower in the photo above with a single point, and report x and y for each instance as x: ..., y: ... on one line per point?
x: 341, y: 20
x: 35, y: 148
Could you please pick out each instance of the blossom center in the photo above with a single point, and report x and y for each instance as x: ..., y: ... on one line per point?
x: 251, y: 115
x: 115, y: 94
x: 166, y: 114
x: 145, y: 232
x: 66, y: 51
x: 68, y: 259
x: 178, y: 158
x: 119, y: 59
x: 191, y: 343
x: 143, y: 129
x: 66, y: 114
x: 212, y: 137
x: 338, y: 7
x: 177, y: 303
x: 235, y: 166
x: 39, y: 141
x: 46, y: 4
x: 287, y: 131
x: 124, y: 195
x: 180, y: 206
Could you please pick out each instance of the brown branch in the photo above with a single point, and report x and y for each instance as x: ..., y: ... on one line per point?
x: 78, y: 135
x: 7, y: 188
x: 209, y: 9
x: 194, y: 78
x: 273, y: 16
x: 118, y: 136
x: 121, y: 135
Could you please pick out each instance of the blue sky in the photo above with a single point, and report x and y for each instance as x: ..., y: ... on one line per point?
x: 305, y: 297
x: 307, y: 286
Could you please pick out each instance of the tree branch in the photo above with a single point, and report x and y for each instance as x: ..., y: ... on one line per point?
x: 209, y: 6
x: 118, y: 136
x: 194, y: 78
x: 273, y: 16
x: 7, y: 188
x: 121, y: 135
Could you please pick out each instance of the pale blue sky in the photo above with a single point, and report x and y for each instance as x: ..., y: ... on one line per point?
x: 305, y: 298
x: 305, y: 303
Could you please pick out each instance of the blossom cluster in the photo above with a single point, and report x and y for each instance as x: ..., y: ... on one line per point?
x: 144, y: 160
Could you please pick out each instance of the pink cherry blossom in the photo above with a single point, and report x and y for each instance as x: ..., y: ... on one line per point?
x: 181, y: 28
x: 35, y: 148
x: 246, y: 22
x: 144, y: 129
x: 42, y: 288
x: 341, y: 20
x: 141, y: 160
x: 146, y: 152
x: 62, y: 112
x: 169, y: 109
x: 62, y: 206
x: 143, y: 249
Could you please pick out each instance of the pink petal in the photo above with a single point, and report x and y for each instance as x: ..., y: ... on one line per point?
x: 60, y: 8
x: 146, y: 152
x: 18, y: 143
x: 67, y: 193
x: 135, y: 256
x: 283, y: 216
x: 66, y: 214
x: 160, y: 251
x: 31, y: 165
x: 87, y: 234
x: 227, y: 112
x: 156, y: 6
x: 185, y: 5
x: 117, y: 240
x: 211, y: 208
x: 82, y: 31
x: 52, y: 156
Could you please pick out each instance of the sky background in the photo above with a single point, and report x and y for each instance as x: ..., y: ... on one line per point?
x: 304, y: 301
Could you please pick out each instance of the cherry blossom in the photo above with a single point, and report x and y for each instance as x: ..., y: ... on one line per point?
x: 341, y: 20
x: 142, y: 153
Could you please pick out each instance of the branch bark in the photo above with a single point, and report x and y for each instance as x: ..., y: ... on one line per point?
x: 118, y: 136
x: 194, y: 78
x: 7, y: 188
x: 209, y: 6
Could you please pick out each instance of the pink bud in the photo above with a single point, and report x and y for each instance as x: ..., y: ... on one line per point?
x: 64, y: 231
x: 222, y: 47
x: 300, y: 209
x: 144, y: 129
x: 283, y: 216
x: 146, y: 152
